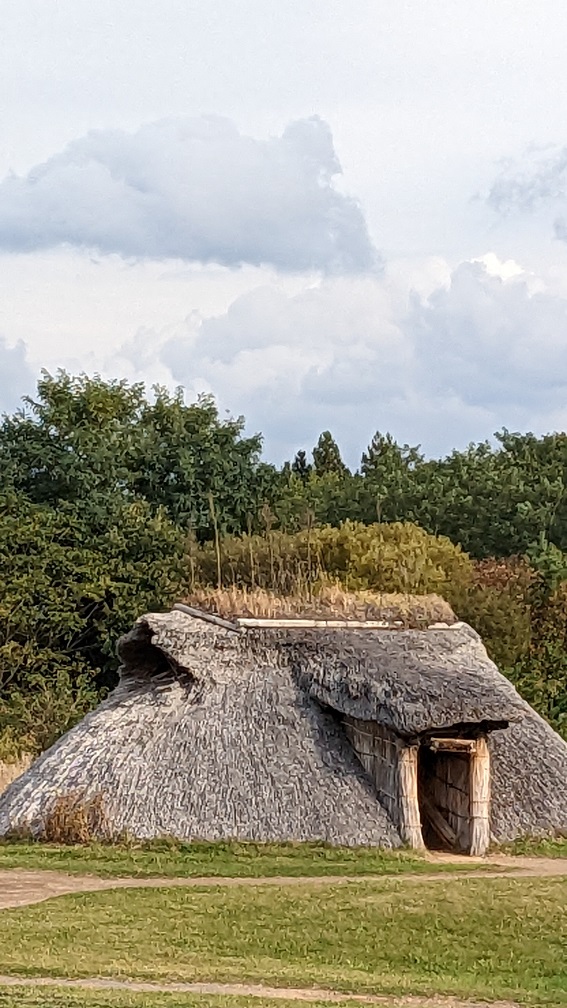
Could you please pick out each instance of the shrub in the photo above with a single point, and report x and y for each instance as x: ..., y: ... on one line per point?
x: 496, y: 603
x: 33, y: 718
x: 541, y: 674
x: 393, y: 557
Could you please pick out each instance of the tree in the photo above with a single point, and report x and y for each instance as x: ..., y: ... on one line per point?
x: 541, y: 673
x: 300, y: 466
x: 543, y: 462
x: 388, y: 471
x: 327, y: 457
x: 85, y: 439
x: 72, y: 579
x: 493, y: 501
x: 385, y: 455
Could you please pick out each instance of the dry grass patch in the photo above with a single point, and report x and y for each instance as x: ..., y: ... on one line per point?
x: 329, y: 602
x: 11, y: 771
x: 74, y: 818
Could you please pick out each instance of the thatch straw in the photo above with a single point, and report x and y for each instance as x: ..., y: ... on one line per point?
x: 330, y: 602
x: 529, y: 780
x: 412, y: 682
x: 199, y: 740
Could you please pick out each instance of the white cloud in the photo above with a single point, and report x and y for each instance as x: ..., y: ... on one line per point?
x: 437, y: 355
x: 287, y: 362
x: 16, y: 377
x: 496, y: 343
x: 535, y: 183
x: 442, y: 367
x: 496, y: 267
x: 524, y: 184
x: 196, y: 190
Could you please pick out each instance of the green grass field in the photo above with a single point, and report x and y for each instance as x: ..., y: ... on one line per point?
x: 553, y: 847
x: 22, y: 997
x: 170, y: 858
x: 466, y: 937
x: 240, y: 860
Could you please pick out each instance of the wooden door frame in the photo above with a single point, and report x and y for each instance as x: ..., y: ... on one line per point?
x: 479, y: 791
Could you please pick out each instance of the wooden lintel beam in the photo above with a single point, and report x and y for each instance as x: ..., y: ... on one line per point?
x: 453, y: 745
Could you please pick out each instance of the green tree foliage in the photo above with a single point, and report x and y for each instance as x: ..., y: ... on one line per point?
x: 72, y: 579
x: 543, y: 461
x: 384, y: 456
x: 297, y: 502
x: 100, y: 488
x: 327, y: 457
x: 541, y: 672
x: 494, y: 501
x: 84, y: 438
x: 388, y: 479
x: 110, y: 502
x: 300, y: 466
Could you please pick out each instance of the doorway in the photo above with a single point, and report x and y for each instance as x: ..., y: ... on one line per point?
x: 444, y: 794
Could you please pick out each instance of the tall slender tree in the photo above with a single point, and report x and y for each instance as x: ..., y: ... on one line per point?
x: 300, y: 466
x: 327, y: 457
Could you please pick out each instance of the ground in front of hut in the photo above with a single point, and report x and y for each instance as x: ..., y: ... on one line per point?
x: 398, y: 939
x: 232, y: 859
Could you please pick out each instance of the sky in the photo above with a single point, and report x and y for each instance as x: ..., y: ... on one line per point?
x: 330, y: 215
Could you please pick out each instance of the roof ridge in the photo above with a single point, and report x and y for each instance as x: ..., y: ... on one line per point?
x: 291, y: 622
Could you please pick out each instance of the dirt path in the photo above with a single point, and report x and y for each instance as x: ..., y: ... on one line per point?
x: 22, y: 888
x: 254, y: 991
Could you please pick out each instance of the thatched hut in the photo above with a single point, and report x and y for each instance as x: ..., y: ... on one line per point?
x: 349, y: 731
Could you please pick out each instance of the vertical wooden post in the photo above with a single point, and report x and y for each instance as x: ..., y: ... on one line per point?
x: 410, y: 819
x: 480, y: 798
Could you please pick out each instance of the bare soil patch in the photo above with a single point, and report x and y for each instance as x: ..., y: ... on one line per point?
x: 255, y: 991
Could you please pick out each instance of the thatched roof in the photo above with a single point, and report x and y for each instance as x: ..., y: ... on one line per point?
x: 411, y: 681
x: 529, y: 780
x: 213, y: 734
x: 201, y: 739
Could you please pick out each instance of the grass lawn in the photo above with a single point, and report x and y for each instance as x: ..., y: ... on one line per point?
x: 554, y: 847
x: 231, y: 859
x: 37, y: 997
x: 467, y: 937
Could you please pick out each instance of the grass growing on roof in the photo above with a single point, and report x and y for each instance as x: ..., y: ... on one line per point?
x: 325, y: 602
x: 498, y: 938
x: 169, y: 858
